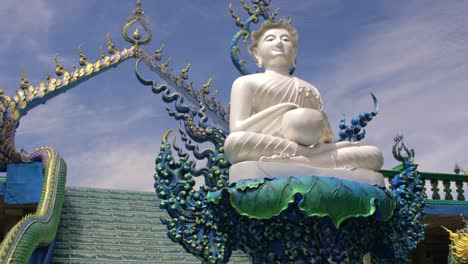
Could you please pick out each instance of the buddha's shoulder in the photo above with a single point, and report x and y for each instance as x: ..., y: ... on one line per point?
x: 307, y: 85
x: 251, y: 80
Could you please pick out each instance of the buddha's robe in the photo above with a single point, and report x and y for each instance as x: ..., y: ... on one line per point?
x: 265, y: 140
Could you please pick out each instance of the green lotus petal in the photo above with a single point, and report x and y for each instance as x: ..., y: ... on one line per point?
x: 320, y: 196
x: 249, y: 184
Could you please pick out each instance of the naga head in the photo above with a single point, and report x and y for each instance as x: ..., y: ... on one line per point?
x: 459, y: 245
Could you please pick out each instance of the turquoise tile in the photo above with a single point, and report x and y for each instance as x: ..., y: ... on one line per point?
x: 113, y: 226
x: 84, y: 247
x: 109, y: 256
x: 61, y: 254
x: 82, y: 254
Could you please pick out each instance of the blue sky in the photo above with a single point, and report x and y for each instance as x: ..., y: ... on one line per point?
x: 411, y: 54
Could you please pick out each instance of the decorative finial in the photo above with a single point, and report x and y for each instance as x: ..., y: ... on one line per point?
x: 137, y: 18
x: 206, y: 86
x: 138, y: 11
x: 83, y: 61
x: 184, y: 72
x: 158, y: 53
x: 24, y: 81
x: 80, y: 50
x: 136, y: 34
x: 400, y: 151
x: 103, y: 55
x: 59, y: 68
x: 165, y: 64
x: 47, y: 74
x: 213, y: 96
x: 190, y: 88
x: 463, y: 171
x: 110, y: 46
x: 457, y: 168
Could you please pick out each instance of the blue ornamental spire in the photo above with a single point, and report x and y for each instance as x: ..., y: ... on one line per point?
x: 353, y: 132
x: 259, y: 9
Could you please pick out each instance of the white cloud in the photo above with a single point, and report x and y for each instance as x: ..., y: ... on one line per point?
x: 415, y: 63
x: 115, y: 164
x: 64, y: 113
x: 23, y: 20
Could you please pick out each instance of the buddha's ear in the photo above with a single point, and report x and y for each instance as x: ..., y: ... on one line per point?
x: 295, y: 52
x: 257, y: 58
x: 255, y: 55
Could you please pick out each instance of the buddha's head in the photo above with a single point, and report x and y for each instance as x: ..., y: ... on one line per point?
x: 274, y: 44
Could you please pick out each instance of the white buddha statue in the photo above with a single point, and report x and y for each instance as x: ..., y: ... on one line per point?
x: 278, y: 124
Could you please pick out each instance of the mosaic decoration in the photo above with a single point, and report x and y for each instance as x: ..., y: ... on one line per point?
x: 215, y: 220
x: 41, y: 226
x: 404, y: 230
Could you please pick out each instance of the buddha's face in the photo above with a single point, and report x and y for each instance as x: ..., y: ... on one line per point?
x: 275, y: 48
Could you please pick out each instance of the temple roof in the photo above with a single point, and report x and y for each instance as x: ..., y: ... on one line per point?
x: 115, y: 226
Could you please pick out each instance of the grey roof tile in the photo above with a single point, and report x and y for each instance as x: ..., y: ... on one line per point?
x: 115, y: 226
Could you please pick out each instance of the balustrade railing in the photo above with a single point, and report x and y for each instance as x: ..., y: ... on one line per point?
x: 439, y: 186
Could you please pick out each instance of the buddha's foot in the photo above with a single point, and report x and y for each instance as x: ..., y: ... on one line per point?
x: 343, y: 155
x: 324, y: 161
x: 287, y: 158
x: 282, y: 167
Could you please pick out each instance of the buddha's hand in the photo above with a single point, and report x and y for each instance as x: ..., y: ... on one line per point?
x: 327, y: 133
x: 244, y: 120
x: 303, y: 126
x: 286, y: 106
x: 276, y: 111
